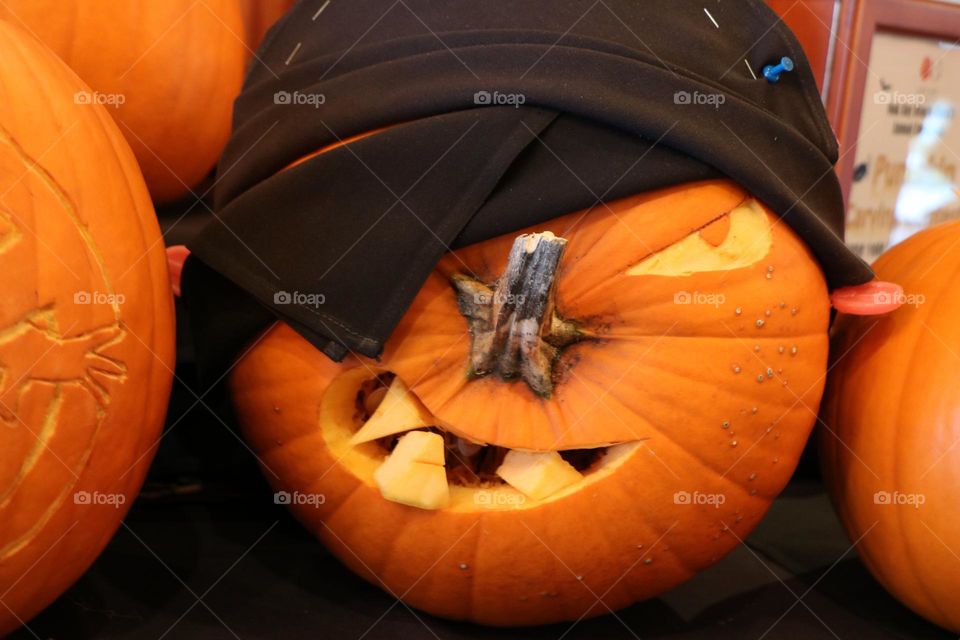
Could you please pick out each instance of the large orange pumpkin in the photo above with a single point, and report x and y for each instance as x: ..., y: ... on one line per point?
x: 892, y: 424
x: 587, y: 424
x: 86, y: 328
x: 169, y: 72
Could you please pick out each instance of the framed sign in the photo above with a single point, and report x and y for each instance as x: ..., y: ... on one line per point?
x: 896, y: 118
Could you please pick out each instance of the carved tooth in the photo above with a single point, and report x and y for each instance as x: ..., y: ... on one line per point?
x: 537, y: 475
x: 399, y: 411
x: 413, y: 474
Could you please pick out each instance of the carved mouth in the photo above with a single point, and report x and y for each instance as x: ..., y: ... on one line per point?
x: 517, y: 336
x: 422, y: 460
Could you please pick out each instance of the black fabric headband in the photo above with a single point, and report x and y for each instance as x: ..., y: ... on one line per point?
x: 500, y: 116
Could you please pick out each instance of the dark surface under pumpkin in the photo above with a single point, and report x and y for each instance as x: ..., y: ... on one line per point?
x: 268, y: 578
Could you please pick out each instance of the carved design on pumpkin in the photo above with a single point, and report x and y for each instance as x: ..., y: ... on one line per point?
x: 75, y: 359
x: 60, y: 360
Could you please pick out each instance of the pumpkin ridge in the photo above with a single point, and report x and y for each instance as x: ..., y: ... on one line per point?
x: 724, y: 473
x: 707, y: 382
x: 437, y: 406
x: 358, y: 485
x: 376, y: 573
x: 661, y: 433
x: 602, y: 526
x: 391, y: 560
x: 908, y: 370
x: 474, y: 562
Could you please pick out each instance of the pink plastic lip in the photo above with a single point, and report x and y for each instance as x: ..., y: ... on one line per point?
x: 176, y: 256
x: 870, y: 299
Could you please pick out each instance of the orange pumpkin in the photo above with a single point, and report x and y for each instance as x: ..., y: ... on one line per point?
x: 259, y: 16
x: 168, y: 71
x: 86, y: 328
x: 558, y: 429
x: 892, y: 423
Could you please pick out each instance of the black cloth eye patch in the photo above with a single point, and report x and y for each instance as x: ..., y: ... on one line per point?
x: 487, y: 117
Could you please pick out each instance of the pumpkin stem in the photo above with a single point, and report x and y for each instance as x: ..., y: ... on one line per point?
x: 515, y: 328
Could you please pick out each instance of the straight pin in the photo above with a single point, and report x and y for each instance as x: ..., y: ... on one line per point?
x: 711, y: 18
x: 320, y: 10
x: 293, y: 53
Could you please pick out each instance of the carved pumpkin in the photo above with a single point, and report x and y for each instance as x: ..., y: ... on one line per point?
x: 567, y: 419
x: 259, y: 16
x: 86, y: 328
x: 169, y: 72
x: 891, y: 418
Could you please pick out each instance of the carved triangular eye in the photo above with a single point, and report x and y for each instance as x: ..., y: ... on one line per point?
x: 747, y: 241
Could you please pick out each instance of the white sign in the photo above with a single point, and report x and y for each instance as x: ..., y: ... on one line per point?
x: 905, y: 172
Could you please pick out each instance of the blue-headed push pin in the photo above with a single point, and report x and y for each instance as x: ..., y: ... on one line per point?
x: 772, y: 72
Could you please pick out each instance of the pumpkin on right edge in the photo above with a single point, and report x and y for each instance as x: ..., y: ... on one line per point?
x: 889, y: 448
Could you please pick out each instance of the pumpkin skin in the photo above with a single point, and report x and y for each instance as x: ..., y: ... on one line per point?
x: 891, y: 418
x: 673, y: 387
x: 86, y: 328
x: 259, y: 16
x: 177, y: 64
